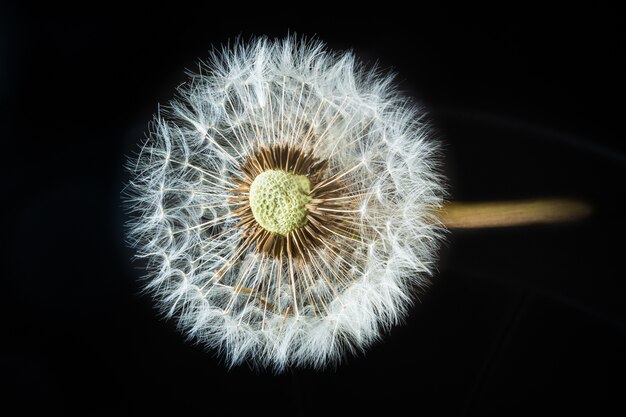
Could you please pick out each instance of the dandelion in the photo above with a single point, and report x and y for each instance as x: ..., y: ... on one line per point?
x: 285, y: 204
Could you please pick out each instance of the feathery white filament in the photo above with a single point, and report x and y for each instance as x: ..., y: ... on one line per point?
x: 335, y: 283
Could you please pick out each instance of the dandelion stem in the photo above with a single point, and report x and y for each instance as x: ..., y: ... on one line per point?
x: 466, y: 215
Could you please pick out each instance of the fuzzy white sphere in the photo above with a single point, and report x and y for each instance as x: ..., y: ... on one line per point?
x: 330, y: 282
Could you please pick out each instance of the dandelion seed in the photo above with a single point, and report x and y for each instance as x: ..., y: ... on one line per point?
x: 286, y: 204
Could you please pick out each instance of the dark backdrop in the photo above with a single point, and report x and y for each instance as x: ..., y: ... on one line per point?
x: 528, y: 103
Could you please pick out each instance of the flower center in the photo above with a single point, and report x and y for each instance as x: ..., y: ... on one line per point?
x: 278, y: 200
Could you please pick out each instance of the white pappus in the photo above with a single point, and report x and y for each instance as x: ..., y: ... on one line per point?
x: 285, y: 204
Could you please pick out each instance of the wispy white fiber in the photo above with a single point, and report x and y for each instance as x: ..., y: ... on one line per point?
x: 266, y: 92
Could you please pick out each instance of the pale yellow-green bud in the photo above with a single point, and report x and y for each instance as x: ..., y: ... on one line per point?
x: 278, y: 200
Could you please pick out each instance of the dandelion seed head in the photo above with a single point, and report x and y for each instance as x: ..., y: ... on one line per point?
x: 285, y: 203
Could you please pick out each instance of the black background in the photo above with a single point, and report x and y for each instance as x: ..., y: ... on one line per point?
x: 527, y: 102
